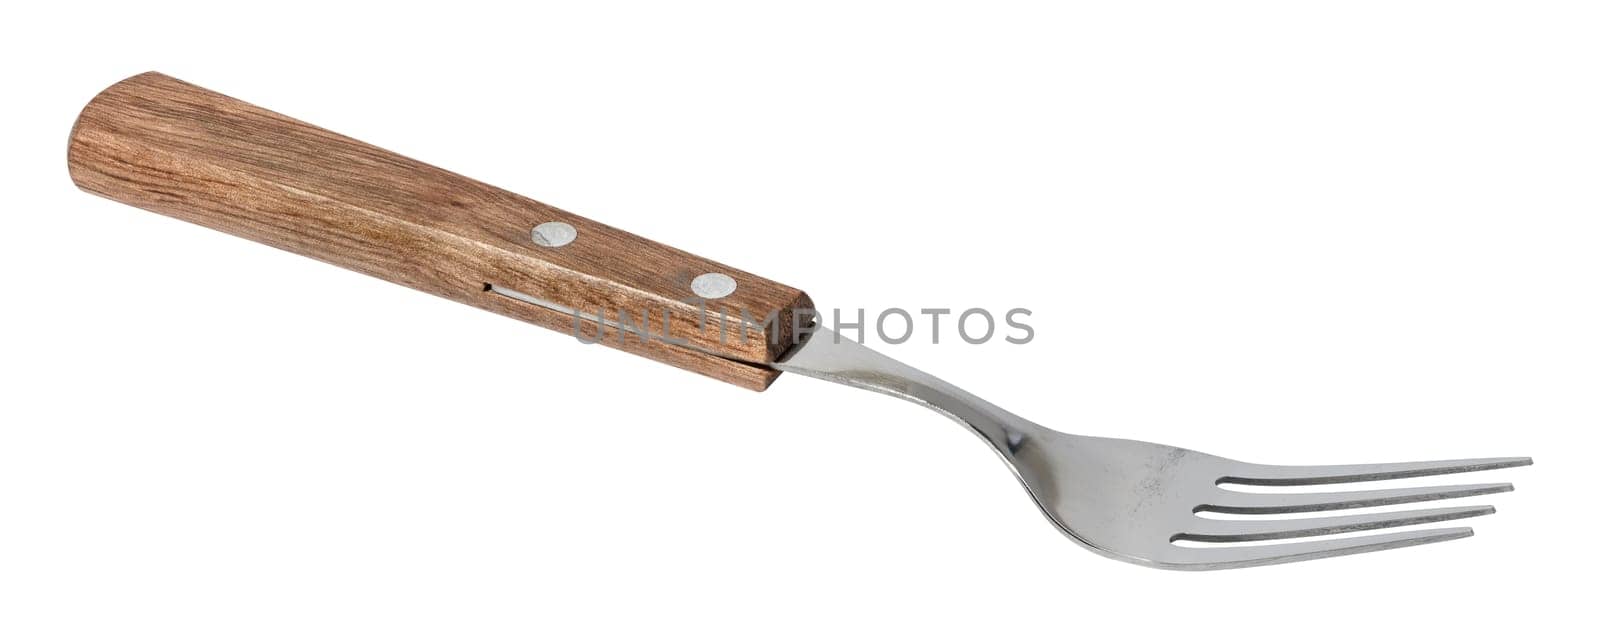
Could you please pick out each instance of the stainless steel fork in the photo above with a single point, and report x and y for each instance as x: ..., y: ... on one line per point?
x: 1136, y: 501
x: 165, y: 145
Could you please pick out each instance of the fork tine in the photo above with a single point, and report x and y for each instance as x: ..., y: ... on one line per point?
x: 1211, y: 530
x: 1265, y: 504
x: 1264, y: 475
x: 1241, y: 556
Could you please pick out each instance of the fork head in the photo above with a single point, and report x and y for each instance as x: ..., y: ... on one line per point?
x: 1142, y: 502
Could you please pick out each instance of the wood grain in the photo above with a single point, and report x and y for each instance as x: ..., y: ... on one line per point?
x: 167, y: 146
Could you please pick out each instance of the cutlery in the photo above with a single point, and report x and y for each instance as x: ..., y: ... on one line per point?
x: 167, y: 146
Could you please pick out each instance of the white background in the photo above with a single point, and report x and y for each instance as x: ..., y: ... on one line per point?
x: 1279, y: 232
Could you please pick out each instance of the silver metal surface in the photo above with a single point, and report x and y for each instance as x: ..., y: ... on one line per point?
x: 554, y: 234
x: 1140, y: 502
x: 713, y: 285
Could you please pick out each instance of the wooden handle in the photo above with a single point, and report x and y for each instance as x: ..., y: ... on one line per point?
x: 167, y: 146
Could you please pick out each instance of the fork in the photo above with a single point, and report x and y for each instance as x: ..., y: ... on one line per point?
x: 164, y: 145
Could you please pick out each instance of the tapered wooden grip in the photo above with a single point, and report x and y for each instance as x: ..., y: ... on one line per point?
x: 164, y: 145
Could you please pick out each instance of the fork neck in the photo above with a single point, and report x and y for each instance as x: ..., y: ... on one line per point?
x: 826, y: 355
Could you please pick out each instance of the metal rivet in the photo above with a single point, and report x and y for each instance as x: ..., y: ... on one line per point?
x: 553, y: 234
x: 713, y: 285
